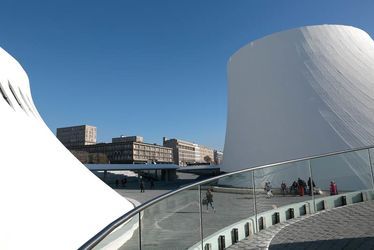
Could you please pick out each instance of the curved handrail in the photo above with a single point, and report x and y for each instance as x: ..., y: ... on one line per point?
x: 108, y: 229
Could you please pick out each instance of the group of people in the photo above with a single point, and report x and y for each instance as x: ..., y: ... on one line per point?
x: 299, y: 187
x: 123, y: 182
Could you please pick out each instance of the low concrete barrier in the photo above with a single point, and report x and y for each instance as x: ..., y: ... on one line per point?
x: 248, y: 226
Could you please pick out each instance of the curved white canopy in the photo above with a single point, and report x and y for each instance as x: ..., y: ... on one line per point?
x: 49, y: 200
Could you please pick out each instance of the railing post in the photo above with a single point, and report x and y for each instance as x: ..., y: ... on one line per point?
x: 201, y: 218
x: 140, y: 231
x: 254, y: 198
x: 312, y: 186
x: 371, y: 169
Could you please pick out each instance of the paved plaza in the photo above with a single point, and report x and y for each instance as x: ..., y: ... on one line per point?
x: 348, y: 227
x: 132, y: 189
x: 178, y: 217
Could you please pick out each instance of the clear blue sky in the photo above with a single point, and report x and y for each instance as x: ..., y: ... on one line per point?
x: 150, y: 68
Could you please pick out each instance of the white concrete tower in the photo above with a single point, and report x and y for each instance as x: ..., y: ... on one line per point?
x: 299, y: 93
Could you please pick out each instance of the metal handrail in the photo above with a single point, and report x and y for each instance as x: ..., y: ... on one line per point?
x: 108, y: 229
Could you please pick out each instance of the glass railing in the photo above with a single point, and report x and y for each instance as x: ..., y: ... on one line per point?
x: 220, y: 211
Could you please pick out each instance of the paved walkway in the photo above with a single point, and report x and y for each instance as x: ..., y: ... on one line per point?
x: 349, y: 227
x: 132, y: 190
x: 178, y: 217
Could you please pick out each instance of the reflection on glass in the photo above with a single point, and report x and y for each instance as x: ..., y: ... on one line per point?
x: 225, y: 202
x: 241, y: 202
x: 282, y: 185
x: 126, y: 236
x: 172, y: 223
x: 342, y: 173
x: 371, y: 159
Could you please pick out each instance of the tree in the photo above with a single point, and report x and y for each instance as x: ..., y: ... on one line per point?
x: 208, y: 159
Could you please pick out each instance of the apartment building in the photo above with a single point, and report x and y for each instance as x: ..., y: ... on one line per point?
x: 77, y: 135
x: 204, y: 154
x: 186, y: 153
x: 129, y: 149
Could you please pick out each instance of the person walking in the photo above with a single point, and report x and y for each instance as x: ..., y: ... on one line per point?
x: 124, y: 181
x: 267, y: 188
x: 284, y: 188
x: 333, y: 188
x: 311, y: 186
x: 209, y: 199
x: 294, y: 188
x: 141, y: 186
x: 300, y: 183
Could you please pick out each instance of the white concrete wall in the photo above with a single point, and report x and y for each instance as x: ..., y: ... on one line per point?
x: 299, y: 93
x: 48, y: 199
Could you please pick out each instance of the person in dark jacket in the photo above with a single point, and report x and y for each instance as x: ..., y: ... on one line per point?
x: 141, y: 186
x: 310, y: 183
x: 209, y: 199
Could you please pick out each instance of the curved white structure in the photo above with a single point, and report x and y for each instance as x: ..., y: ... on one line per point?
x: 300, y: 93
x: 49, y: 200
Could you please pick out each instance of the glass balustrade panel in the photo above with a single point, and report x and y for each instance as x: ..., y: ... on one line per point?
x: 172, y: 223
x: 340, y: 175
x: 227, y: 209
x: 282, y: 193
x: 125, y: 236
x: 371, y: 159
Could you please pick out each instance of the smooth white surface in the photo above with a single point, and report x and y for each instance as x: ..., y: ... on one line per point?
x: 49, y: 200
x: 299, y: 93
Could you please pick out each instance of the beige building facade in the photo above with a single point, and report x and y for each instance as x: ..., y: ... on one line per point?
x: 77, y: 135
x: 204, y: 154
x: 129, y: 149
x: 188, y: 153
x: 183, y: 151
x: 90, y: 158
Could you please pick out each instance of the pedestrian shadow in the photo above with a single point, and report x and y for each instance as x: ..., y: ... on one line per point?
x: 245, y: 198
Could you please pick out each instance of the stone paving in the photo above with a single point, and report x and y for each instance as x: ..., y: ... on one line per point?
x: 348, y: 227
x: 131, y: 190
x: 178, y: 216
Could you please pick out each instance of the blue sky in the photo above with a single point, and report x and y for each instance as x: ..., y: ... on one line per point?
x: 150, y: 68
